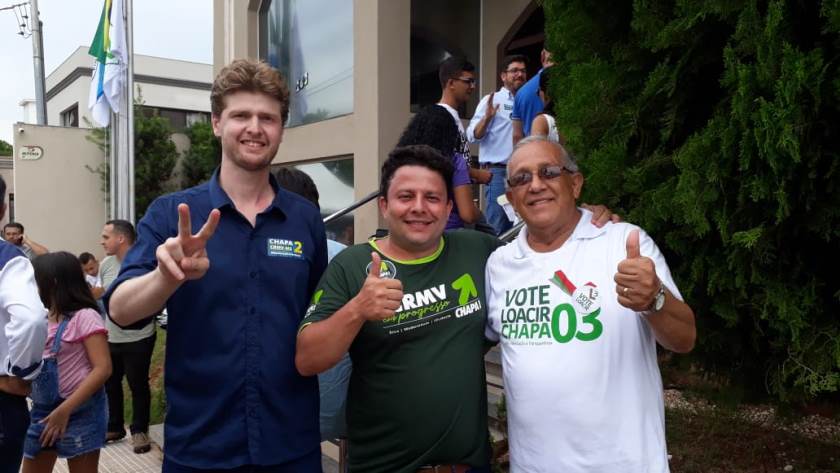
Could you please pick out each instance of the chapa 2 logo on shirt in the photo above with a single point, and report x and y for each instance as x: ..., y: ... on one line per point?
x: 285, y: 248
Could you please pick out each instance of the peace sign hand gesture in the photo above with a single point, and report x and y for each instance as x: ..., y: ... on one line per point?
x: 184, y: 256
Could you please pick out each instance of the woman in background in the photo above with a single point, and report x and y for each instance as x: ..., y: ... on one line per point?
x: 433, y: 126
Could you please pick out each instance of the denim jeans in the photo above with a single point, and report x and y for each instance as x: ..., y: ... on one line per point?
x: 332, y: 385
x: 496, y: 216
x: 85, y: 430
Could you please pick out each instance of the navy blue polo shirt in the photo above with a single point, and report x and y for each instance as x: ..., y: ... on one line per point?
x: 233, y: 394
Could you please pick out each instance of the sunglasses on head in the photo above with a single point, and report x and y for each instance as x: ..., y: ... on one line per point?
x: 552, y: 171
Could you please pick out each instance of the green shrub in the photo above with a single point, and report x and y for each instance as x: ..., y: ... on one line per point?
x: 204, y: 155
x: 712, y: 125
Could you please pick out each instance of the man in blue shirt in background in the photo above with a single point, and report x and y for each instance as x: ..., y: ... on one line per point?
x: 235, y: 400
x: 527, y: 103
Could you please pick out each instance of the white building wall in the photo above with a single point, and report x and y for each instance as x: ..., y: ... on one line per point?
x: 57, y: 198
x: 155, y: 95
x: 182, y: 94
x: 77, y: 92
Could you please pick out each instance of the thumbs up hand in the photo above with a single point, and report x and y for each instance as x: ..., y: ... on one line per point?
x: 379, y: 297
x: 636, y: 282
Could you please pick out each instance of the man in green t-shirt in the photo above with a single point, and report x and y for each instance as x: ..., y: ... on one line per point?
x: 410, y: 309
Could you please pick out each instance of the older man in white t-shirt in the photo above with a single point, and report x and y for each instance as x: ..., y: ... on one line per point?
x: 578, y: 311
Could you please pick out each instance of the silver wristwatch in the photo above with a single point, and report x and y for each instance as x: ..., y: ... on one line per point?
x: 658, y: 300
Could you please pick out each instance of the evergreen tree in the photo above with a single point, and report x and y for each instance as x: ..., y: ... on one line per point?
x: 155, y: 156
x: 711, y: 125
x: 203, y: 157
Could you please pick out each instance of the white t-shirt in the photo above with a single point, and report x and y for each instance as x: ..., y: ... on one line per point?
x: 463, y: 145
x: 582, y: 385
x: 553, y: 134
x: 93, y: 281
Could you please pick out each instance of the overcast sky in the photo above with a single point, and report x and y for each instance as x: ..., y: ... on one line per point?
x: 175, y: 29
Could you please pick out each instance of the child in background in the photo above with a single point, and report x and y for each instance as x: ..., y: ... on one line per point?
x: 69, y: 410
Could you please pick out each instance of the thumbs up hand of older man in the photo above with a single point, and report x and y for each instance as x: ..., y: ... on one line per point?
x: 636, y: 282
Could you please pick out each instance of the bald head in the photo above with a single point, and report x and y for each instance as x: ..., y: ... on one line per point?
x: 546, y: 186
x: 555, y: 149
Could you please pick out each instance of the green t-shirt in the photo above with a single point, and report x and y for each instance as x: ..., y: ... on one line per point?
x: 417, y: 394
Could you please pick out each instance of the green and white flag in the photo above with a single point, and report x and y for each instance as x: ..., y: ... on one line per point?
x: 109, y: 49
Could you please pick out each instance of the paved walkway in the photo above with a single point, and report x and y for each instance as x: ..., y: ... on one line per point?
x: 119, y: 457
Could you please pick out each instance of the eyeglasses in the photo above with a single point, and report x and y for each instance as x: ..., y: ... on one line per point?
x: 549, y: 172
x: 514, y: 71
x: 468, y: 81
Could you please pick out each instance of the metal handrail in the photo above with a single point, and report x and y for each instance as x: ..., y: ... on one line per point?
x: 351, y: 207
x: 509, y: 235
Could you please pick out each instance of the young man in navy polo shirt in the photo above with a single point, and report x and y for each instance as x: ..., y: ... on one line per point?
x: 235, y: 261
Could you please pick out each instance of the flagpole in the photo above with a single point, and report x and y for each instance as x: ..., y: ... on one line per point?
x: 113, y: 166
x: 38, y: 61
x: 129, y: 91
x: 125, y: 125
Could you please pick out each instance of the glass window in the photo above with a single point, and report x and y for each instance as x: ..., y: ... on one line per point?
x: 197, y: 117
x: 334, y: 180
x: 311, y: 43
x: 70, y: 117
x: 440, y: 29
x: 179, y: 120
